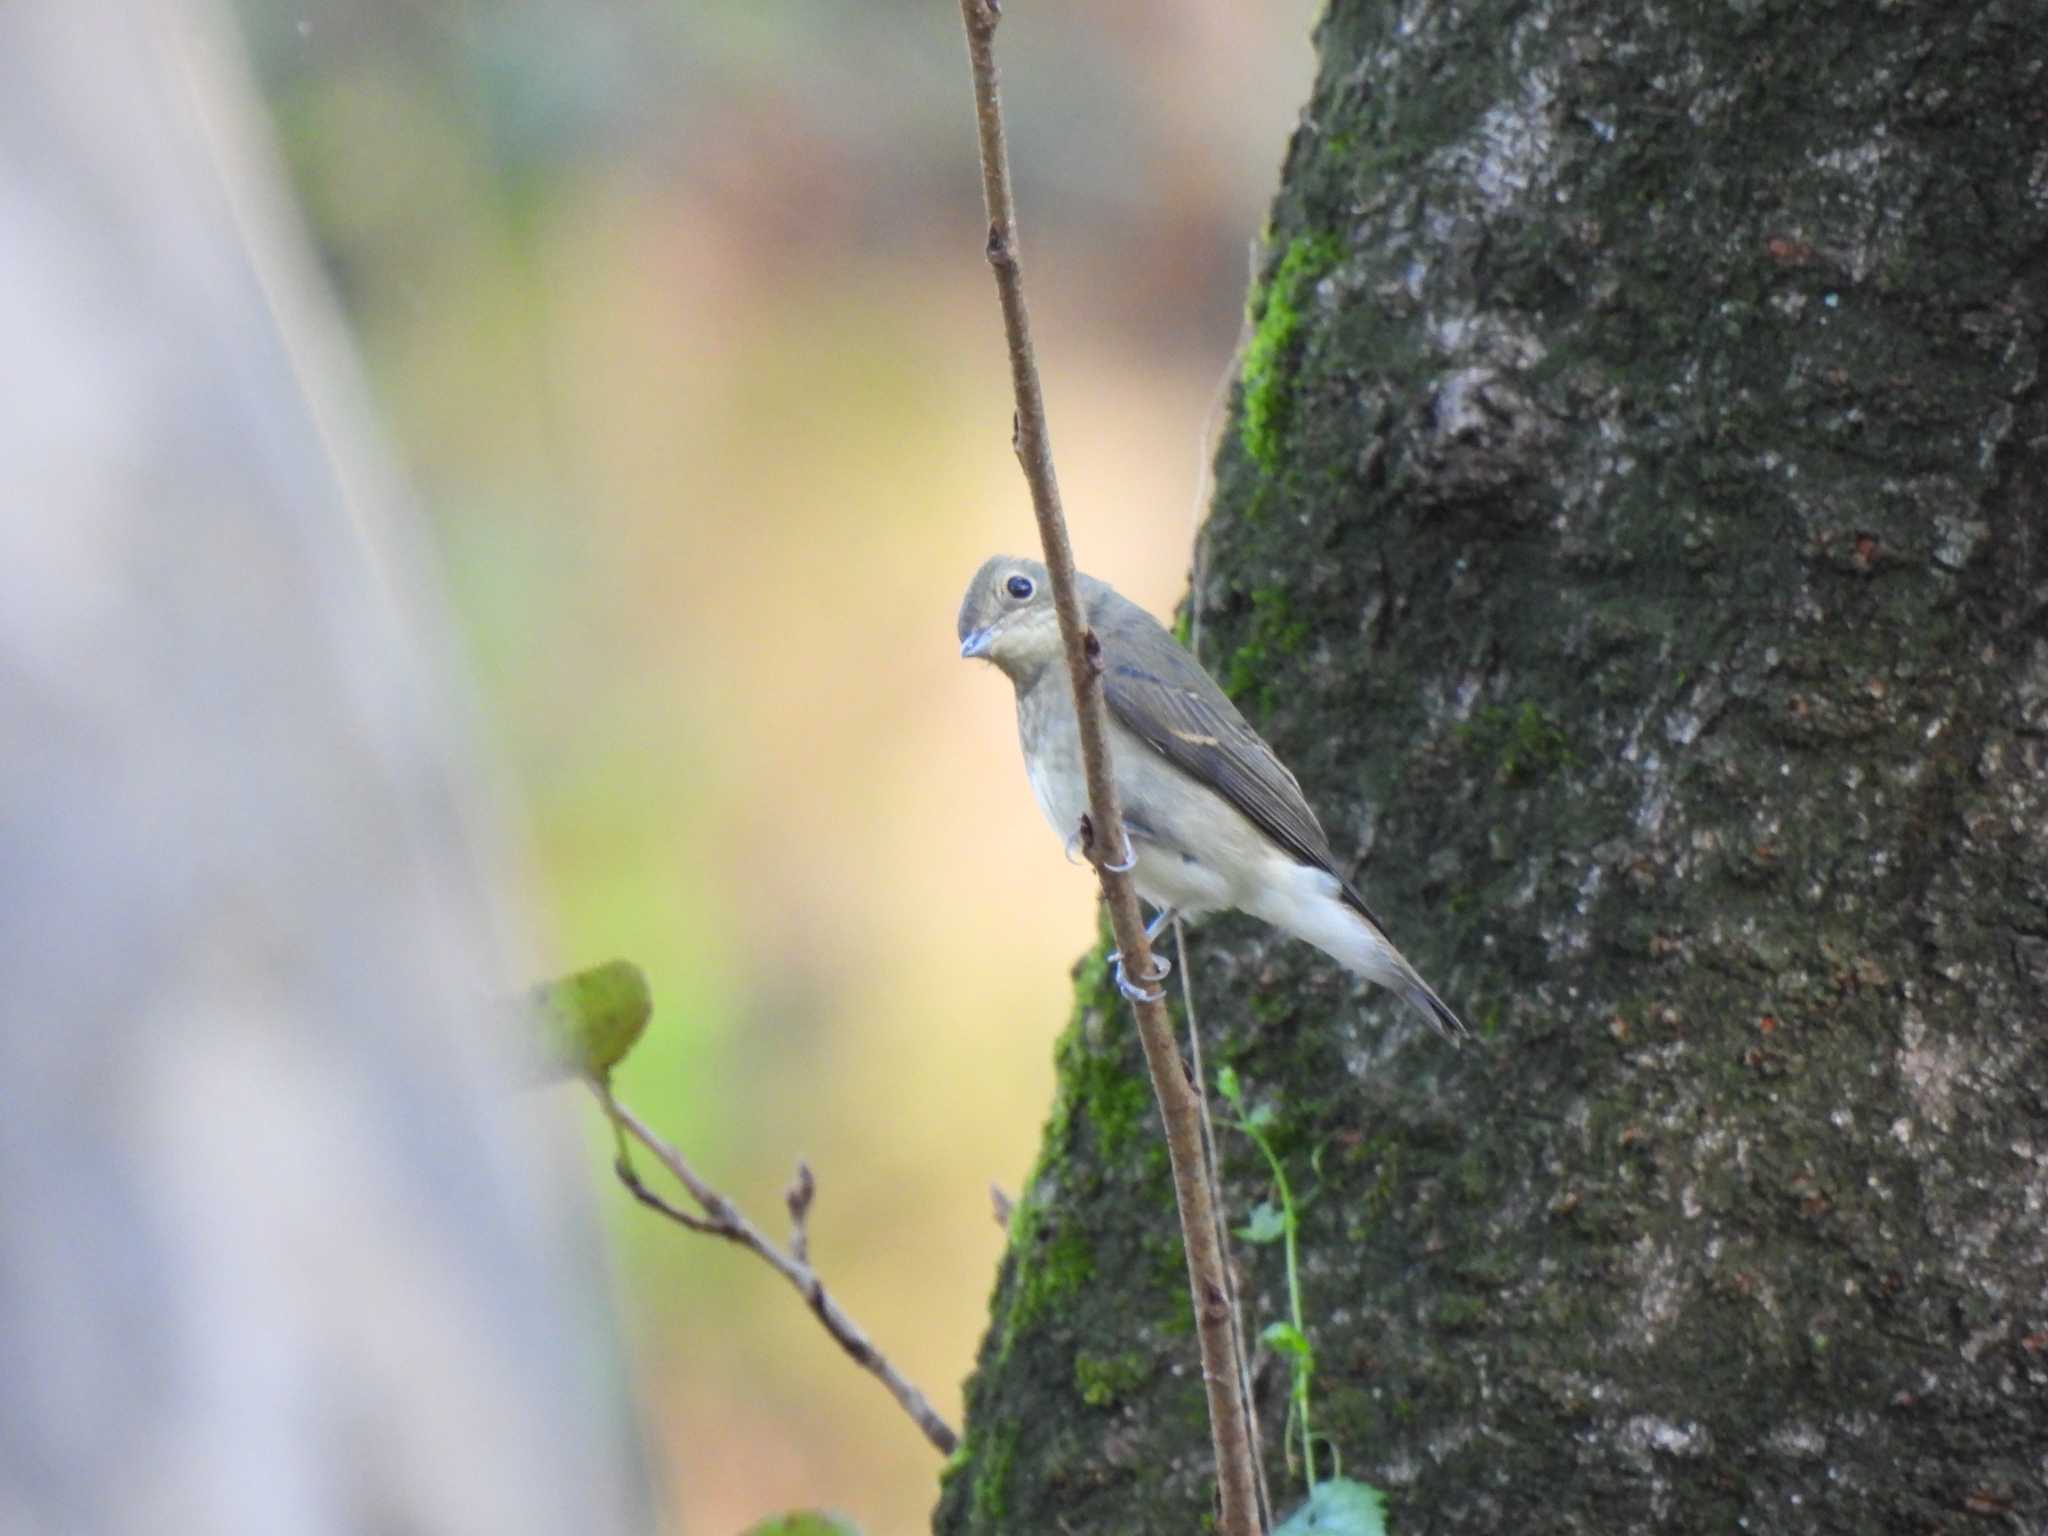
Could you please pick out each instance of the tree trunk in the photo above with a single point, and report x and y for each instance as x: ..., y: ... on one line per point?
x: 1631, y: 529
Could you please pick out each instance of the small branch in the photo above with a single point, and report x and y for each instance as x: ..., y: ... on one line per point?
x: 803, y: 1189
x: 630, y: 1177
x: 722, y: 1219
x: 1212, y: 1168
x: 1179, y: 1108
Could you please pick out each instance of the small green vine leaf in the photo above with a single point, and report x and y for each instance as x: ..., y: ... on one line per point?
x: 1339, y: 1507
x: 1286, y: 1339
x: 1268, y: 1224
x: 808, y: 1523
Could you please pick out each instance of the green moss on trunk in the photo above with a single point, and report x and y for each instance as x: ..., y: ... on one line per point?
x: 1632, y: 535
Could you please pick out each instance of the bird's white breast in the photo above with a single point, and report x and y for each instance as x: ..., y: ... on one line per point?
x: 1052, y: 755
x: 1061, y: 793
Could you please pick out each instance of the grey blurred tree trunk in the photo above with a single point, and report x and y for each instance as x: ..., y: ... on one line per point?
x: 276, y: 1253
x: 1632, y: 528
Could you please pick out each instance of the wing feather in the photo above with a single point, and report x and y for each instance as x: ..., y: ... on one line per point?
x: 1175, y: 708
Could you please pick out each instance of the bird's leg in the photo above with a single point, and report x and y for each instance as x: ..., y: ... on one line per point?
x: 1147, y: 991
x: 1153, y: 929
x: 1161, y: 966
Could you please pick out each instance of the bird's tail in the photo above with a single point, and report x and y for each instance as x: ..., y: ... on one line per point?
x: 1422, y: 997
x: 1313, y: 904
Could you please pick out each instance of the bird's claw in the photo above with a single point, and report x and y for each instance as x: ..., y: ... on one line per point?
x: 1130, y: 858
x: 1150, y: 991
x: 1162, y: 967
x: 1138, y: 994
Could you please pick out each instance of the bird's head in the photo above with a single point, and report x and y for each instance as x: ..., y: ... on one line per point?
x: 1007, y: 617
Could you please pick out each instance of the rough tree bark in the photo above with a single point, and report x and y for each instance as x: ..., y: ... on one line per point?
x: 1631, y: 527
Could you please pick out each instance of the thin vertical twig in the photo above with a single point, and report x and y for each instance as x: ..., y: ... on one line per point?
x: 1240, y: 1352
x: 1104, y: 837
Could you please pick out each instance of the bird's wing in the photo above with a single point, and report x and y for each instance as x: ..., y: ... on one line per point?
x: 1158, y: 691
x: 1177, y: 709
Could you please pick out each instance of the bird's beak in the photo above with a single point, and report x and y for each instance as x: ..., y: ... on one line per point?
x: 977, y: 644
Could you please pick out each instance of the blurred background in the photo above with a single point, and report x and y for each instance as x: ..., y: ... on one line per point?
x: 677, y: 317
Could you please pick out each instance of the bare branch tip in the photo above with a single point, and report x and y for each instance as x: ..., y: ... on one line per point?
x: 802, y: 1190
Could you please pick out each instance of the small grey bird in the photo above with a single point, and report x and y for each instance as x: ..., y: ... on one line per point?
x: 1215, y: 820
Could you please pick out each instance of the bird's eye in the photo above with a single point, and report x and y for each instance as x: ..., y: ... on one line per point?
x: 1018, y: 587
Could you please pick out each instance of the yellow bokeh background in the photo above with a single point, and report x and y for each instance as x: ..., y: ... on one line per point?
x: 678, y: 322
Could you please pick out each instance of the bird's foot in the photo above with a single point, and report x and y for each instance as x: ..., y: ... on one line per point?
x: 1153, y: 929
x: 1130, y: 858
x: 1150, y: 991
